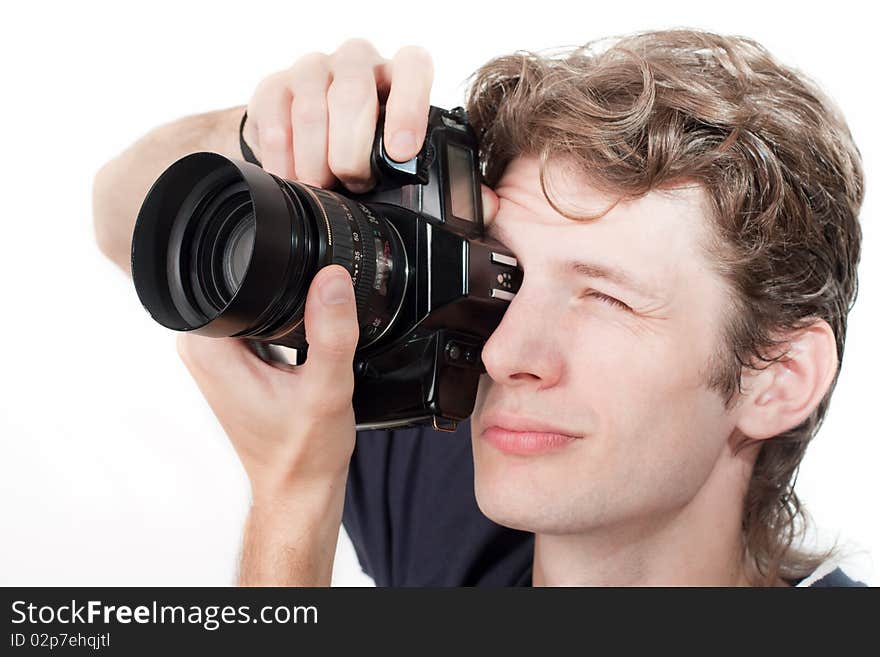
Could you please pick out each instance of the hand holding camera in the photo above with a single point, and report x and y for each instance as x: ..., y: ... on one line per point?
x: 315, y: 121
x: 294, y: 428
x: 224, y: 248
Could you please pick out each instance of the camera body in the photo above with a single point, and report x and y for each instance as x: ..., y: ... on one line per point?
x: 427, y: 367
x: 223, y: 248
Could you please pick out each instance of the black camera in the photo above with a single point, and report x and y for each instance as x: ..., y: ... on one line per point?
x: 223, y: 248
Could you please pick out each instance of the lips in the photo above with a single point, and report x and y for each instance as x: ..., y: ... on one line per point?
x: 513, y: 434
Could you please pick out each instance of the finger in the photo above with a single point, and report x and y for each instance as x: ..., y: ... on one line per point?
x: 353, y: 108
x: 332, y: 334
x: 490, y: 205
x: 274, y: 131
x: 406, y: 112
x: 309, y: 120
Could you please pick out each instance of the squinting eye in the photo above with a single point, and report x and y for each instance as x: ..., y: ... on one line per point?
x: 606, y: 299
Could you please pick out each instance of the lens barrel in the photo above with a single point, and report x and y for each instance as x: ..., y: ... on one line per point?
x: 223, y: 248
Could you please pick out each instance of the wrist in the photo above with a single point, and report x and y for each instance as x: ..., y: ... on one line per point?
x: 283, y: 494
x: 290, y: 536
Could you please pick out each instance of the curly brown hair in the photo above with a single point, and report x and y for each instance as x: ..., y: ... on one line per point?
x: 781, y: 171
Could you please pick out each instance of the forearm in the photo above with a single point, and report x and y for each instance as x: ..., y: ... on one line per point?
x: 290, y: 538
x: 121, y: 185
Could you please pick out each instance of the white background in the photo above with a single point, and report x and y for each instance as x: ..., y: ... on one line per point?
x: 113, y: 470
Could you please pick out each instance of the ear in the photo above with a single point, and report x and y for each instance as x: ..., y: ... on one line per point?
x: 782, y: 395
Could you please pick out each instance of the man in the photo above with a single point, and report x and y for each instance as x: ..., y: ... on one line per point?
x: 684, y: 208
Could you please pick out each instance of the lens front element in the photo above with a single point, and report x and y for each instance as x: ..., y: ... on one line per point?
x: 223, y: 248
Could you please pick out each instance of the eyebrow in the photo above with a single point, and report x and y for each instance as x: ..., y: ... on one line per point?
x: 588, y: 269
x: 604, y: 272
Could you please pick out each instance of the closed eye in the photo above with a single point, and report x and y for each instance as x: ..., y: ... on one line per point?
x: 617, y: 303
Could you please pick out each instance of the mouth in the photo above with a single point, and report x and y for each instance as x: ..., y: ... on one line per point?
x: 525, y: 443
x: 525, y: 437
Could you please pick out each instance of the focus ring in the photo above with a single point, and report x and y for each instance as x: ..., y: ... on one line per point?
x: 358, y: 256
x: 341, y: 253
x: 367, y: 262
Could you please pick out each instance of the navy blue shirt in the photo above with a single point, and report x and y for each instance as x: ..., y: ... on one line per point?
x: 411, y: 514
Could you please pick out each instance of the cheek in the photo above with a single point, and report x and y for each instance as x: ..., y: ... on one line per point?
x: 655, y: 430
x: 659, y: 429
x: 634, y: 380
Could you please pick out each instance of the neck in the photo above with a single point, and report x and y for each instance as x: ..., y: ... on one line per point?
x: 699, y: 544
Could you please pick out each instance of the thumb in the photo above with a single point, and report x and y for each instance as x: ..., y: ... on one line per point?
x: 490, y: 205
x: 331, y: 331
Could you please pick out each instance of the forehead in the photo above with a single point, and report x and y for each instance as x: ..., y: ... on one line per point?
x: 659, y: 236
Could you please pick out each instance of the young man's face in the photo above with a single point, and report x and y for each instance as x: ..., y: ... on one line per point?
x: 629, y: 381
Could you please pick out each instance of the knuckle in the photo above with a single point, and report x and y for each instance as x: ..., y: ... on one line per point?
x: 270, y: 83
x: 416, y: 54
x: 274, y: 137
x: 351, y: 89
x: 356, y: 50
x: 309, y: 112
x: 340, y: 342
x: 308, y: 63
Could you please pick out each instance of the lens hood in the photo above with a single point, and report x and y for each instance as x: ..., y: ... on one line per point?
x: 159, y: 245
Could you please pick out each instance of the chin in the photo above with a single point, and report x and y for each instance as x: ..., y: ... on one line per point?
x: 528, y: 497
x: 498, y: 507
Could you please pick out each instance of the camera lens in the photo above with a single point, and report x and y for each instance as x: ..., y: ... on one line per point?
x: 237, y: 252
x: 223, y: 248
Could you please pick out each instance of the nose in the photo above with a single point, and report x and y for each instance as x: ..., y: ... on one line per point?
x: 523, y: 350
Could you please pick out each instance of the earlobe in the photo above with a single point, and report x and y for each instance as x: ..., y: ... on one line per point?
x: 782, y: 395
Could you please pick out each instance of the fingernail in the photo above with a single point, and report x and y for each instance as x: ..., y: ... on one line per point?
x: 403, y: 142
x: 336, y: 291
